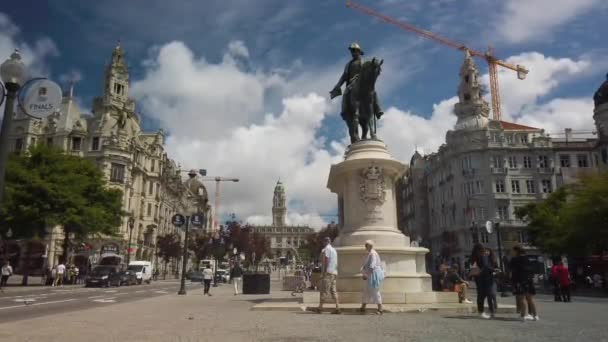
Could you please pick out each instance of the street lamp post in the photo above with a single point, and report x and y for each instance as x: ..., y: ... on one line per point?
x: 182, y: 289
x: 131, y: 224
x: 499, y: 243
x: 12, y: 72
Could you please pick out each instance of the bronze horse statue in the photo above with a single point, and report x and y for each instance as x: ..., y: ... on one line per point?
x: 360, y: 103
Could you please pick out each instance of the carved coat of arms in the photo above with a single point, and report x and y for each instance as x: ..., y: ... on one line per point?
x: 372, y: 186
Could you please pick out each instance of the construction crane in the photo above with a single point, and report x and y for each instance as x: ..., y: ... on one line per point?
x: 217, y: 180
x: 488, y: 56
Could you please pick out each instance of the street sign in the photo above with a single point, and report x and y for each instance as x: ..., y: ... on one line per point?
x: 178, y: 220
x: 197, y: 220
x: 489, y: 227
x: 40, y: 97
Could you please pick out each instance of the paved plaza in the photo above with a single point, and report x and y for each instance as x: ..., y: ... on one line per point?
x: 225, y: 317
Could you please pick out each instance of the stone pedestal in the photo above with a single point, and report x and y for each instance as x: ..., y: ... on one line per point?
x: 365, y: 185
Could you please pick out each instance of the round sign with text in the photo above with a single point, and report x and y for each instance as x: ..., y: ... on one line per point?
x: 197, y: 220
x: 40, y: 98
x: 178, y: 220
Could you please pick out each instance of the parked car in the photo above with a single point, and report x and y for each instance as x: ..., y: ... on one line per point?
x: 222, y: 276
x: 103, y: 276
x: 143, y: 269
x: 196, y: 277
x: 128, y: 278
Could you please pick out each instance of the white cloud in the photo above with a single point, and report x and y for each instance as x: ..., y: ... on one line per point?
x: 546, y: 75
x: 34, y: 54
x: 193, y: 98
x: 282, y: 147
x: 525, y: 101
x: 560, y: 113
x: 73, y: 75
x: 403, y: 132
x: 531, y: 20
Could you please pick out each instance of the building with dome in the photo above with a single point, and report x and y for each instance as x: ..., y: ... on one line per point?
x: 484, y: 171
x: 284, y: 239
x: 132, y: 160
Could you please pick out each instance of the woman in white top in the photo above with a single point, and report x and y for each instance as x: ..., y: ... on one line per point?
x: 373, y: 275
x: 207, y: 277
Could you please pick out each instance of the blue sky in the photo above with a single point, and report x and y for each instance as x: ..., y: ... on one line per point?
x: 277, y: 54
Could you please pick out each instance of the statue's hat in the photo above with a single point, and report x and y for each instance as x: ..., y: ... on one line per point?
x: 355, y: 46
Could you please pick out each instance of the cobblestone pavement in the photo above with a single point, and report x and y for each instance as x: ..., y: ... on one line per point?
x: 225, y: 317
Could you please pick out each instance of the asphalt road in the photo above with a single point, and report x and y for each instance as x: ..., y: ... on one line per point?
x: 26, y: 304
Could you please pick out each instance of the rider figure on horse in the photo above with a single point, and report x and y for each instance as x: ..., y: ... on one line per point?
x: 352, y: 71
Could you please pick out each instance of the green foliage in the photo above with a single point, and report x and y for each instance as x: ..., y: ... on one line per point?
x: 168, y: 246
x: 572, y: 220
x: 314, y: 242
x: 47, y: 187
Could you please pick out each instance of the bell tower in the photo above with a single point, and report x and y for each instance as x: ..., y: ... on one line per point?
x: 116, y: 82
x: 278, y: 206
x: 472, y: 110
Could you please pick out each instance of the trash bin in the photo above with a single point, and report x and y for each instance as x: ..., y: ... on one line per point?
x: 256, y: 283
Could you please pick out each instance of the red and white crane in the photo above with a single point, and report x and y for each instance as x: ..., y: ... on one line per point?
x: 488, y: 56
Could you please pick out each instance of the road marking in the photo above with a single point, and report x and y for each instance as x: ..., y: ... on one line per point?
x: 110, y: 291
x: 96, y: 297
x: 35, y: 304
x: 105, y: 300
x: 140, y: 291
x: 24, y: 300
x: 162, y: 292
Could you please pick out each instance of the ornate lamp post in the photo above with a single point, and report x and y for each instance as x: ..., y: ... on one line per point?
x: 12, y: 72
x: 131, y: 224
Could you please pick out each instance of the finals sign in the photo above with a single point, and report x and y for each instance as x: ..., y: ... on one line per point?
x: 40, y: 98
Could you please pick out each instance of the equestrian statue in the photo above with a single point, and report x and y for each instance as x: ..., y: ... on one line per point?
x: 360, y: 106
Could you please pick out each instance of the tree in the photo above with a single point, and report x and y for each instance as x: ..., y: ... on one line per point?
x: 573, y: 219
x: 168, y: 247
x: 314, y: 242
x: 47, y: 187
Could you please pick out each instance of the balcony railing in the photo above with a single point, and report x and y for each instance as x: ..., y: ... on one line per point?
x: 498, y: 170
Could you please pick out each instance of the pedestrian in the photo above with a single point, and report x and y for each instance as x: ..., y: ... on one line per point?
x: 373, y: 275
x: 451, y: 281
x: 207, y: 277
x: 76, y: 275
x: 60, y: 274
x: 156, y: 273
x: 7, y: 272
x: 329, y: 273
x: 561, y: 276
x: 236, y: 275
x: 484, y: 270
x: 523, y: 285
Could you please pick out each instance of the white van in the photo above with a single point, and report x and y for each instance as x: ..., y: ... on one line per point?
x: 143, y: 270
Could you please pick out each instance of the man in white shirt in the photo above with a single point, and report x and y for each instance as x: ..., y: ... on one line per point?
x: 329, y: 262
x: 7, y: 271
x: 59, y: 275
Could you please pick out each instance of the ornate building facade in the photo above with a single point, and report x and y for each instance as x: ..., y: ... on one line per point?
x: 284, y: 239
x: 484, y: 171
x: 132, y: 160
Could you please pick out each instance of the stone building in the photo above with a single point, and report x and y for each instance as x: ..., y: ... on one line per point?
x: 483, y: 172
x: 284, y: 239
x: 132, y: 160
